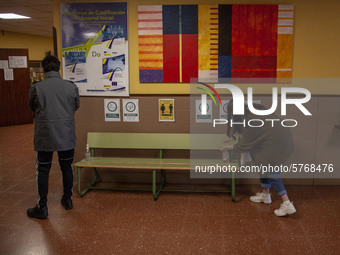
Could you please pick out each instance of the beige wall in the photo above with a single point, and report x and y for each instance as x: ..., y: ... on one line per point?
x: 315, y: 55
x: 37, y: 45
x: 315, y: 51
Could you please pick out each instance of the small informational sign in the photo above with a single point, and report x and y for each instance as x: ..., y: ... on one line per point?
x: 130, y: 110
x: 3, y: 64
x: 17, y: 61
x: 112, y: 109
x: 223, y: 109
x: 203, y: 113
x: 8, y: 73
x: 166, y: 109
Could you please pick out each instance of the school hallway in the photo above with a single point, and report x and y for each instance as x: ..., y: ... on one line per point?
x: 107, y: 222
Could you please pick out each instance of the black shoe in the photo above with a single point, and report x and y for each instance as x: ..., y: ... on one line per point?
x: 67, y: 203
x: 37, y: 212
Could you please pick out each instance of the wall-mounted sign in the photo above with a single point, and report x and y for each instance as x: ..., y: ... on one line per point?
x: 95, y: 47
x: 166, y: 109
x: 203, y: 115
x: 130, y: 110
x: 112, y: 109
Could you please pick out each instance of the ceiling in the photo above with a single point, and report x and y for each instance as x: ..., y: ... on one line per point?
x: 40, y: 11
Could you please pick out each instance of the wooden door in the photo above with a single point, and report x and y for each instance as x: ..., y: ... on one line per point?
x: 14, y: 93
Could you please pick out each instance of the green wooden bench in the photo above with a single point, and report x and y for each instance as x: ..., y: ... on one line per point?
x: 158, y: 141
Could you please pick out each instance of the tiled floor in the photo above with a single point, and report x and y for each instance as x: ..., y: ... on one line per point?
x: 132, y: 223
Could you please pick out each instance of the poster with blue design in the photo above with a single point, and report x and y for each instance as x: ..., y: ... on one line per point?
x: 75, y: 66
x: 95, y: 47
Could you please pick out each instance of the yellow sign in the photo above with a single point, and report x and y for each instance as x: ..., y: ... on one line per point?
x: 166, y: 109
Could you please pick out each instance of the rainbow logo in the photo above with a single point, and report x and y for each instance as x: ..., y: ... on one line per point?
x: 204, y: 96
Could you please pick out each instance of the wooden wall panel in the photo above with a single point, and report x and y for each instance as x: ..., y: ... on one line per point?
x: 318, y: 129
x: 90, y: 117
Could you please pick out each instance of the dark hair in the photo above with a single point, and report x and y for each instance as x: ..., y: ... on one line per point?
x: 50, y: 63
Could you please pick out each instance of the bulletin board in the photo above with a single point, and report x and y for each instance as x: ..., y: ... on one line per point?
x: 94, y: 38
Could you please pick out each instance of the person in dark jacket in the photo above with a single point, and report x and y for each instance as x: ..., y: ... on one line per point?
x: 270, y: 144
x: 53, y: 102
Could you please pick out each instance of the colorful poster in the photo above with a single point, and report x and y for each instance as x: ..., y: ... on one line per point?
x: 130, y: 110
x: 215, y: 42
x: 95, y: 47
x: 112, y: 109
x: 166, y: 109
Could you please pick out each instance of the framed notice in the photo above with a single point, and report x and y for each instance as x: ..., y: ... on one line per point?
x: 95, y: 47
x: 166, y: 109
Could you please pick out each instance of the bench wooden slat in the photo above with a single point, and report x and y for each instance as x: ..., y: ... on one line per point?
x: 138, y: 141
x: 156, y: 141
x: 149, y: 163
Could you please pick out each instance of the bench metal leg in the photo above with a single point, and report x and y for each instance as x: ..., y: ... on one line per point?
x: 233, y: 187
x: 156, y: 192
x: 154, y: 184
x: 83, y: 192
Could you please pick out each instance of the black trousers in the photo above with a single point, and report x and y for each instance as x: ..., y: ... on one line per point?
x: 43, y: 165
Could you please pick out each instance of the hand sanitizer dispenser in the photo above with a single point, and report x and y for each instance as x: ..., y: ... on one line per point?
x: 87, y: 153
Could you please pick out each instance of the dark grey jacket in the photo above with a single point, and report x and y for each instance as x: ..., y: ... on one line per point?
x: 267, y: 144
x: 54, y: 102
